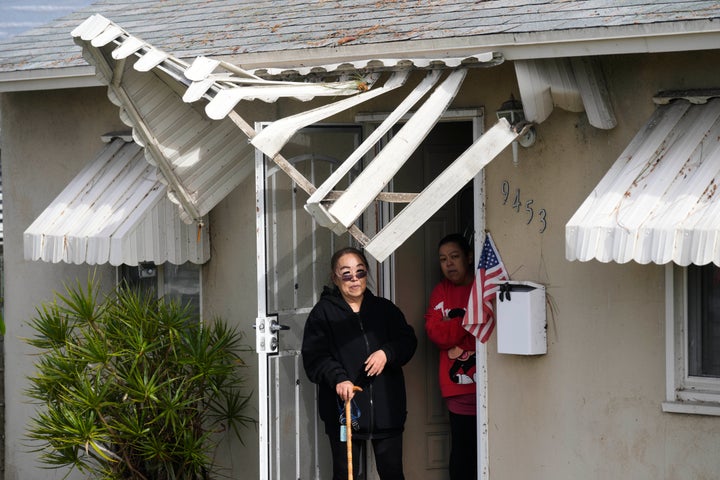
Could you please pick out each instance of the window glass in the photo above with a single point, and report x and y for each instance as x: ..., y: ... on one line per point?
x: 703, y: 321
x: 141, y: 277
x: 692, y: 344
x: 180, y: 283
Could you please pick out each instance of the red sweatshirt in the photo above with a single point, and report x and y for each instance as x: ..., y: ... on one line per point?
x: 457, y: 365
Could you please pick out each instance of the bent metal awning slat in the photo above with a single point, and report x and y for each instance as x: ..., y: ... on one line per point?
x: 271, y: 139
x: 184, y: 114
x: 442, y: 189
x: 659, y: 202
x: 194, y: 153
x: 314, y: 205
x: 115, y: 211
x: 381, y: 170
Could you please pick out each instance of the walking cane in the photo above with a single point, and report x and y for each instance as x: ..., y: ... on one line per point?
x: 348, y: 432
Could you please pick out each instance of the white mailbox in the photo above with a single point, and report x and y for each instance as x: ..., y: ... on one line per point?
x: 521, y: 319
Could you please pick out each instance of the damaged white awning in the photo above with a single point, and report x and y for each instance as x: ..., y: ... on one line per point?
x: 184, y: 115
x: 115, y: 211
x: 659, y: 202
x: 573, y: 84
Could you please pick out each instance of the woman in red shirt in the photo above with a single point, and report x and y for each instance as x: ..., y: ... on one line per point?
x: 443, y: 324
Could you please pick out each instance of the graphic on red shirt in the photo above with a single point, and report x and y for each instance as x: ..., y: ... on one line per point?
x: 463, y: 368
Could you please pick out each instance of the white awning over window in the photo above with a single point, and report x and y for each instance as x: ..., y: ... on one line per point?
x: 115, y: 211
x: 184, y: 115
x: 659, y: 202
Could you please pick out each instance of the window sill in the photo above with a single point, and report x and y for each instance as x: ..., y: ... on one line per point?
x: 692, y: 408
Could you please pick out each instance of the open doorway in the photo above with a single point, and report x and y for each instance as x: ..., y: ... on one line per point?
x: 291, y: 271
x: 415, y: 273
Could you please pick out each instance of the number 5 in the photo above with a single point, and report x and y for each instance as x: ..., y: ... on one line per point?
x: 529, y: 209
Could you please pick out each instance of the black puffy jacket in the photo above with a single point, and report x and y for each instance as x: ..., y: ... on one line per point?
x: 336, y: 343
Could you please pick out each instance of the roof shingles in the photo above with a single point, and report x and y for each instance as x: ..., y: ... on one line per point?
x: 227, y: 27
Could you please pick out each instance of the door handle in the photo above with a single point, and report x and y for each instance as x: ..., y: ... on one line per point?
x: 275, y: 326
x: 266, y: 334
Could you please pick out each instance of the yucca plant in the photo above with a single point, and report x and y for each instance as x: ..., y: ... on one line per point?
x: 131, y: 387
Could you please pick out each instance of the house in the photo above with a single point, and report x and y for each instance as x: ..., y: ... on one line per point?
x: 606, y: 198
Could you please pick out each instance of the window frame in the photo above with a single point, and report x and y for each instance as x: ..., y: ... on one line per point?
x: 684, y: 393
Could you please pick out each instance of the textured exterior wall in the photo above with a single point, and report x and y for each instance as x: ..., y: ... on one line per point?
x: 46, y: 137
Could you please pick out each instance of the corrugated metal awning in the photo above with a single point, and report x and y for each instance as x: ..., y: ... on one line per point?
x: 184, y: 114
x: 115, y: 211
x: 658, y: 203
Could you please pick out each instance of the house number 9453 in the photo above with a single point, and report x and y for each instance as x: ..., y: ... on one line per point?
x: 514, y: 200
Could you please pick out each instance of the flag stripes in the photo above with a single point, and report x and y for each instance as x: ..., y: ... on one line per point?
x: 479, y: 317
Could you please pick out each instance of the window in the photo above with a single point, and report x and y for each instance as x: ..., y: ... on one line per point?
x: 693, y: 340
x: 704, y: 321
x: 172, y: 282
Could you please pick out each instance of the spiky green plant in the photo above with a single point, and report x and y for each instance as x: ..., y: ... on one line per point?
x: 131, y: 387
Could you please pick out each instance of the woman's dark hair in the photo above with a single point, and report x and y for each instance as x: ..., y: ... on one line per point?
x: 459, y: 240
x: 344, y: 251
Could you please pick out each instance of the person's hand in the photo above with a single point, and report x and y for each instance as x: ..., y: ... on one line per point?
x: 345, y: 390
x: 375, y: 363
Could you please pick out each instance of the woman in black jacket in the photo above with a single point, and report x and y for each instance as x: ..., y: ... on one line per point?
x: 353, y: 338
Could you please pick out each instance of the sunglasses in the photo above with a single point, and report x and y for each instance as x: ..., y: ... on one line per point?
x: 349, y: 277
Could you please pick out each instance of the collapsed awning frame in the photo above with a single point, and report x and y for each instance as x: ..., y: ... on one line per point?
x: 223, y: 85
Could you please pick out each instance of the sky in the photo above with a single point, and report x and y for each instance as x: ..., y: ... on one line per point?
x: 17, y: 16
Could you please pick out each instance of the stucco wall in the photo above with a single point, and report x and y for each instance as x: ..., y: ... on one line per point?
x: 46, y: 139
x: 230, y: 292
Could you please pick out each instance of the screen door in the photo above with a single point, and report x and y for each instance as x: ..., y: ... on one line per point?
x: 293, y: 265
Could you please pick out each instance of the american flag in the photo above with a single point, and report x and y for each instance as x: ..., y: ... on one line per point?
x: 480, y: 317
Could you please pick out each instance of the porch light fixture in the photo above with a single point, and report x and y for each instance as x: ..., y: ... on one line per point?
x: 512, y: 111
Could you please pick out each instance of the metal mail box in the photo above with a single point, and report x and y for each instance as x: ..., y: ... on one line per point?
x: 521, y: 318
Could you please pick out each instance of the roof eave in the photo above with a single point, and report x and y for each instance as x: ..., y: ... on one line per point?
x: 684, y: 36
x: 641, y: 38
x: 49, y: 79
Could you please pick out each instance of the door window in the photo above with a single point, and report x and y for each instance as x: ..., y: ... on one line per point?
x: 298, y: 252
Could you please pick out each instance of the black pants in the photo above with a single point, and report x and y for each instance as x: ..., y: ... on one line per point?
x: 388, y: 457
x: 463, y: 447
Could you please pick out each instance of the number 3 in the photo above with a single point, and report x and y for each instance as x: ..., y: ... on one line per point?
x: 543, y: 214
